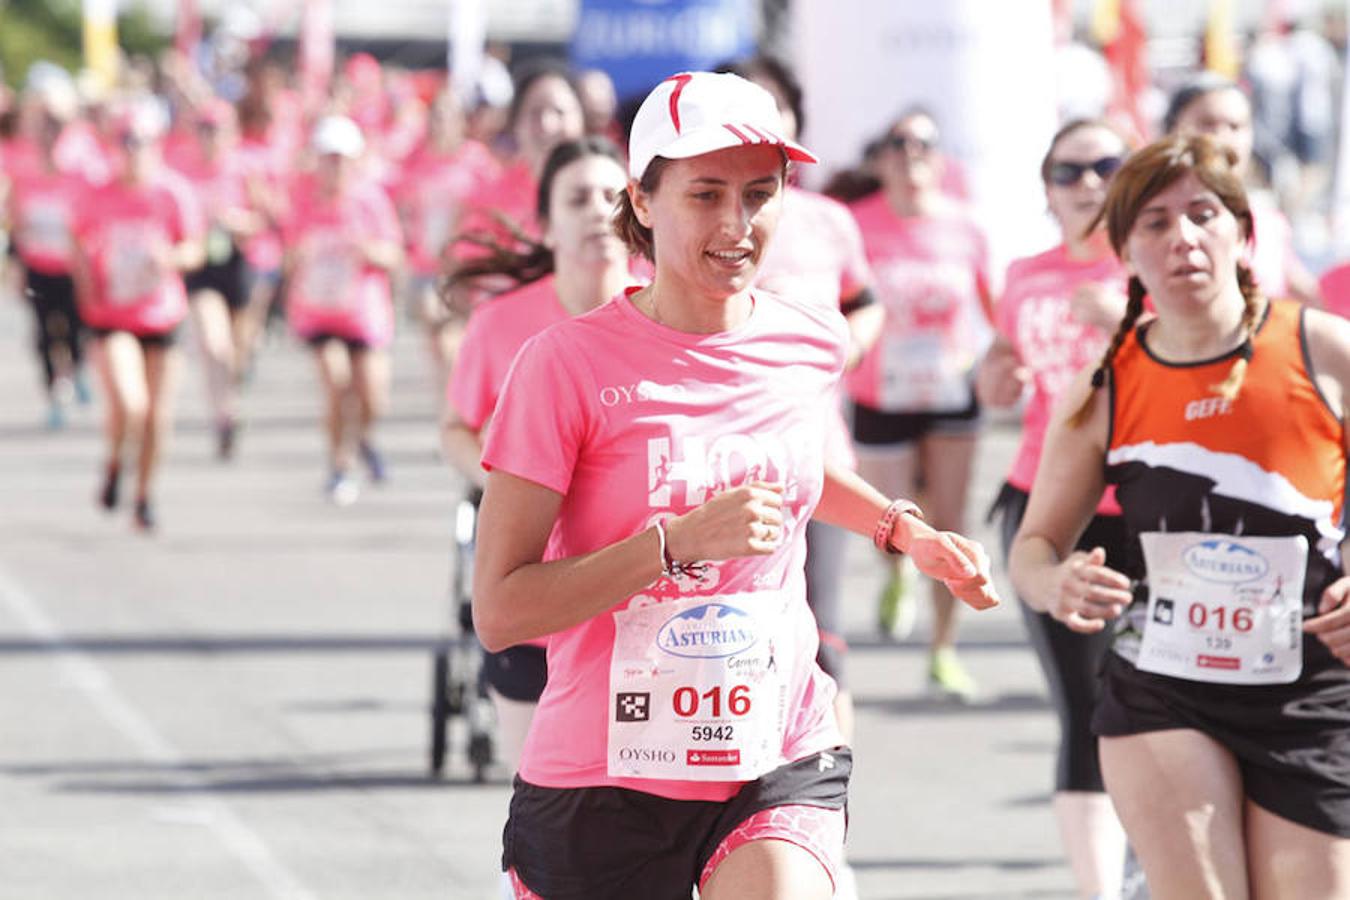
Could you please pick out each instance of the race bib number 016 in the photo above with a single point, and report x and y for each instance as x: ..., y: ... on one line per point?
x: 698, y: 689
x: 1222, y: 609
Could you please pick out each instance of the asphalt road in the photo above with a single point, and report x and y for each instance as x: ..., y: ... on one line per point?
x: 237, y: 707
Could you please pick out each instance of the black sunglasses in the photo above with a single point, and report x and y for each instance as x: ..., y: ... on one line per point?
x: 909, y: 144
x: 1066, y: 174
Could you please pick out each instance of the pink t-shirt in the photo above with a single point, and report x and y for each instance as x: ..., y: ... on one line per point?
x: 432, y: 193
x: 495, y: 333
x: 1335, y: 288
x: 221, y: 188
x: 121, y: 228
x: 513, y: 195
x: 264, y: 165
x: 632, y: 422
x: 931, y: 274
x: 43, y: 208
x: 1036, y: 317
x: 1274, y: 247
x: 817, y: 255
x: 333, y: 289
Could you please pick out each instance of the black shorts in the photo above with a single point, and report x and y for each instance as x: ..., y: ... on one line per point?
x: 147, y: 340
x: 353, y: 344
x: 877, y: 428
x: 517, y: 673
x: 606, y: 843
x: 1291, y: 741
x: 225, y: 278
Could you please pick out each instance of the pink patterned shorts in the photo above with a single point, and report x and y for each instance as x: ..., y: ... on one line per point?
x: 815, y: 829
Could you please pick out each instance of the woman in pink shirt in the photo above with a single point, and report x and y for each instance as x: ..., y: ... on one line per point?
x: 216, y: 289
x: 437, y: 181
x: 1055, y: 317
x: 344, y: 241
x: 651, y: 466
x: 134, y: 237
x: 578, y: 264
x: 42, y: 202
x: 915, y: 417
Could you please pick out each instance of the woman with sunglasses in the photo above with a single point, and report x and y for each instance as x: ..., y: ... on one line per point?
x: 915, y: 416
x: 651, y: 467
x: 134, y: 237
x: 1224, y: 719
x: 1211, y: 104
x: 1056, y: 315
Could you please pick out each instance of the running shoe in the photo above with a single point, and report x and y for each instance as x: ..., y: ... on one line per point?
x: 112, y: 479
x: 342, y: 489
x: 374, y: 461
x: 83, y: 395
x: 897, y: 606
x: 948, y: 679
x: 56, y: 416
x: 226, y: 432
x: 145, y: 516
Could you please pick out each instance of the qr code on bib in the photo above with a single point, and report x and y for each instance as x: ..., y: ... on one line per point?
x: 632, y: 707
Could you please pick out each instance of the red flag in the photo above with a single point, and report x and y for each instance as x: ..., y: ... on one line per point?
x: 317, y: 43
x: 187, y: 28
x: 1125, y: 53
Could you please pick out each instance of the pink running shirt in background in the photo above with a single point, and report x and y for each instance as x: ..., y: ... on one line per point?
x: 333, y: 289
x: 122, y: 230
x: 42, y: 210
x: 433, y: 191
x: 632, y: 422
x: 932, y: 275
x: 817, y: 255
x: 1036, y: 316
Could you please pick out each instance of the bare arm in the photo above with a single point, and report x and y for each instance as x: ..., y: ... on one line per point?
x: 864, y: 328
x: 1000, y: 378
x: 1074, y: 587
x: 849, y: 502
x: 516, y: 597
x: 463, y: 447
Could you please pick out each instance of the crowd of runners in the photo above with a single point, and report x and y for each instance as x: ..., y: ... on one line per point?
x: 675, y: 380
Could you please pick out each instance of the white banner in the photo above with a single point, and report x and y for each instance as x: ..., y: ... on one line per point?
x: 984, y: 68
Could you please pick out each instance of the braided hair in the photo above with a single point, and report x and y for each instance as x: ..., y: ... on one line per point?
x: 1145, y: 175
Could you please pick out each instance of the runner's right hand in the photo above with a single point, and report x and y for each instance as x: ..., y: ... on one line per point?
x: 744, y: 521
x: 1086, y: 592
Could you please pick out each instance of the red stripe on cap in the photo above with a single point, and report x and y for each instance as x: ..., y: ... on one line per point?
x: 764, y: 136
x: 739, y: 134
x: 680, y: 81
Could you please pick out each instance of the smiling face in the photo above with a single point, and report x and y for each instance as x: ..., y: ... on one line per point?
x: 712, y: 217
x: 1185, y: 245
x: 581, y: 201
x: 1076, y: 204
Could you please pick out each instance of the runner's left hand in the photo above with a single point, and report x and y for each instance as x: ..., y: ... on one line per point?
x: 1331, y: 625
x: 958, y: 562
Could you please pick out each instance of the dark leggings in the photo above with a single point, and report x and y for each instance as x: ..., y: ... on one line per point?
x: 1071, y: 661
x: 58, y: 321
x: 826, y: 547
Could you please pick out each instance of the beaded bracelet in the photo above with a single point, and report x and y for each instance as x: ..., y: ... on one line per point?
x: 881, y: 535
x: 669, y: 566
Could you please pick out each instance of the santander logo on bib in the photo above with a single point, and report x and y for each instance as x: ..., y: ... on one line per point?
x: 709, y: 631
x: 1224, y: 561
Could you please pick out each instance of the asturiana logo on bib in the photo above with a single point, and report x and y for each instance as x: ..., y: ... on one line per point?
x: 1224, y: 561
x: 711, y: 631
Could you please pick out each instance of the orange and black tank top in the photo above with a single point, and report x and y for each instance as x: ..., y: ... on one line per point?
x: 1269, y: 463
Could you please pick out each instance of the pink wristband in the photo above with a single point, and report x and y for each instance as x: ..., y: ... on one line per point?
x: 881, y: 535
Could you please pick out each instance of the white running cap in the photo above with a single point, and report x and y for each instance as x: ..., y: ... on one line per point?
x: 337, y: 134
x: 699, y: 112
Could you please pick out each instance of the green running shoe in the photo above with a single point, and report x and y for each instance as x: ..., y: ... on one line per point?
x: 948, y: 679
x: 896, y: 606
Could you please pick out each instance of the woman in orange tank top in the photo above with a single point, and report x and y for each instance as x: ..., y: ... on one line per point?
x: 1225, y: 711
